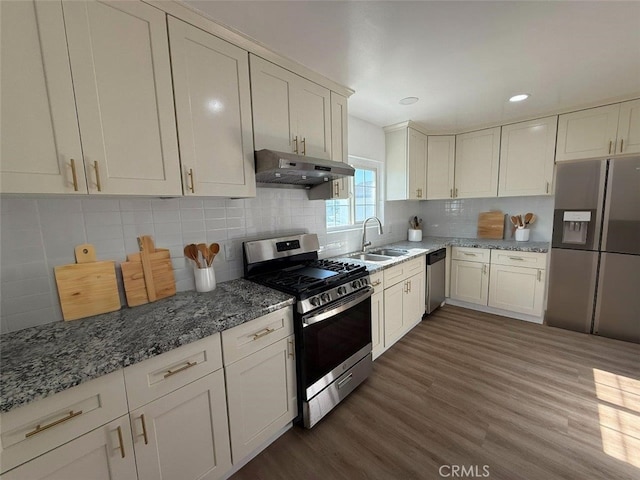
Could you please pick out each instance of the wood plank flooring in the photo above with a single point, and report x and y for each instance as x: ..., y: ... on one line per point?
x: 473, y: 389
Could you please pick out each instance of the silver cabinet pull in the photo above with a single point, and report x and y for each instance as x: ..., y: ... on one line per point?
x: 451, y: 192
x: 304, y: 146
x: 520, y: 259
x: 120, y: 442
x: 469, y: 254
x: 547, y: 190
x: 181, y: 369
x: 290, y: 348
x: 295, y: 140
x: 40, y: 428
x: 539, y: 275
x: 484, y: 269
x: 610, y: 143
x: 621, y: 144
x: 190, y: 184
x: 456, y: 193
x: 376, y: 283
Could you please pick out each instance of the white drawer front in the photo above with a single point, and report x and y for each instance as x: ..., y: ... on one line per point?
x: 470, y: 254
x: 245, y: 339
x: 519, y: 259
x: 377, y: 282
x: 403, y: 271
x: 43, y: 425
x: 165, y: 373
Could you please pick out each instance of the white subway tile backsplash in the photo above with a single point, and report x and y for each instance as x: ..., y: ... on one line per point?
x: 40, y: 233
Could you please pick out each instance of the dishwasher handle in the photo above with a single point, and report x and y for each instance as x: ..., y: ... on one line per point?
x: 437, y: 256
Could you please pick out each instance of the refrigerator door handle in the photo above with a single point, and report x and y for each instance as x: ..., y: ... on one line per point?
x: 607, y: 208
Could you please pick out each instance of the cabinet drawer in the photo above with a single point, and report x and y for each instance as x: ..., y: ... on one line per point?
x: 519, y: 259
x: 165, y: 373
x: 377, y: 282
x: 471, y: 254
x: 403, y: 271
x: 248, y: 338
x: 43, y: 425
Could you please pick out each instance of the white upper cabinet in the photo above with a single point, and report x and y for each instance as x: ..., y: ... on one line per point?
x: 440, y: 166
x: 121, y: 72
x: 599, y: 132
x: 527, y: 158
x: 477, y: 159
x: 40, y: 146
x: 406, y: 163
x: 338, y: 189
x: 290, y: 113
x: 213, y: 109
x: 629, y: 127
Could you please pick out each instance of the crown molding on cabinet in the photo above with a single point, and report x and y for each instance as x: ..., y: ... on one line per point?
x: 403, y: 125
x: 201, y: 20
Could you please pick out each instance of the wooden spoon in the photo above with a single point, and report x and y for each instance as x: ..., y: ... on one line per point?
x: 214, y: 249
x: 533, y: 218
x: 202, y: 248
x: 527, y: 218
x: 191, y: 251
x: 514, y: 220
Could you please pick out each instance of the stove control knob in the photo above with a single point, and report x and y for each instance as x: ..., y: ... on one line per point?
x: 342, y: 290
x: 325, y: 297
x: 364, y: 281
x: 355, y: 284
x: 315, y: 301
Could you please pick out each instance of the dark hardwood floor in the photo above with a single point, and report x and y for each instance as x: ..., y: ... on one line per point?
x: 472, y: 389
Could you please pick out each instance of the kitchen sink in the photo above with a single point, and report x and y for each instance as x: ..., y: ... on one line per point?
x: 370, y: 257
x: 389, y: 252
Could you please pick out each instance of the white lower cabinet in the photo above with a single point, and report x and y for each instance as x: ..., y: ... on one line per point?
x: 469, y: 281
x: 184, y: 435
x: 105, y: 453
x: 403, y: 299
x: 517, y: 289
x: 377, y: 314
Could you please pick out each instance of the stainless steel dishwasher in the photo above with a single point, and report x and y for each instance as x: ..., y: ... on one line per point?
x: 435, y: 279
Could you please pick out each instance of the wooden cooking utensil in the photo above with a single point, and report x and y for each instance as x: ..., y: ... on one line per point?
x: 191, y: 251
x: 206, y: 254
x: 514, y: 220
x: 214, y: 249
x: 527, y: 218
x: 533, y: 218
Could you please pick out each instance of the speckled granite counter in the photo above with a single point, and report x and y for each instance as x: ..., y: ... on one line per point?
x: 40, y: 361
x: 429, y: 244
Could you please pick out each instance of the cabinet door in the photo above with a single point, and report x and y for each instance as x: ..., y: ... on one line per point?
x: 414, y: 300
x: 377, y: 324
x: 339, y: 150
x: 417, y: 165
x: 527, y: 158
x: 517, y: 289
x: 121, y: 72
x: 629, y: 128
x: 440, y: 166
x: 312, y: 104
x: 184, y: 434
x: 469, y: 281
x: 213, y: 108
x: 393, y: 313
x: 587, y: 133
x: 40, y: 137
x: 102, y: 454
x: 272, y: 89
x: 477, y: 158
x: 261, y: 392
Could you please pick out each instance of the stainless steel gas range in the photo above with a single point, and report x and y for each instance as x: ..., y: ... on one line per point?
x: 332, y: 319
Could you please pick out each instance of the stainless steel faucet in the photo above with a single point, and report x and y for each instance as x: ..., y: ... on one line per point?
x: 365, y: 244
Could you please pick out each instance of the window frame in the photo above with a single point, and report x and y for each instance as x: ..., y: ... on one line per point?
x: 366, y: 164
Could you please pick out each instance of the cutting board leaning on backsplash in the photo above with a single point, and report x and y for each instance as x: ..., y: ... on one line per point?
x: 491, y: 225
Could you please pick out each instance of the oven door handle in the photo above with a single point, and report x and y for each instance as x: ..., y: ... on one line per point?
x: 357, y: 298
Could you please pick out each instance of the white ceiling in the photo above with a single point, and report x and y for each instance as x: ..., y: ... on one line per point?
x: 462, y: 59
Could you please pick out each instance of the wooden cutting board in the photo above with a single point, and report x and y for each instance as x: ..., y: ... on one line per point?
x: 88, y: 287
x: 491, y: 225
x: 148, y: 275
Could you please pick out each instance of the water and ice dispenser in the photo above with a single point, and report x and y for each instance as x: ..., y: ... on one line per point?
x: 575, y: 226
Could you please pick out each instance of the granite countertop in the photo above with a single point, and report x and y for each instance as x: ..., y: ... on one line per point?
x: 430, y: 244
x: 40, y: 361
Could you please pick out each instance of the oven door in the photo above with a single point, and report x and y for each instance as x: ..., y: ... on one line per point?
x: 334, y: 339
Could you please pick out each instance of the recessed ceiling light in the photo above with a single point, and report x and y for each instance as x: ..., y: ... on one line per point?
x: 520, y: 97
x: 408, y: 100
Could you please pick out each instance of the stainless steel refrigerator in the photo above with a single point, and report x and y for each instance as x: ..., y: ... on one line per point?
x: 594, y: 273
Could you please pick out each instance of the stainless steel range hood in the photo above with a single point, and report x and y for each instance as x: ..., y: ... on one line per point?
x: 275, y: 169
